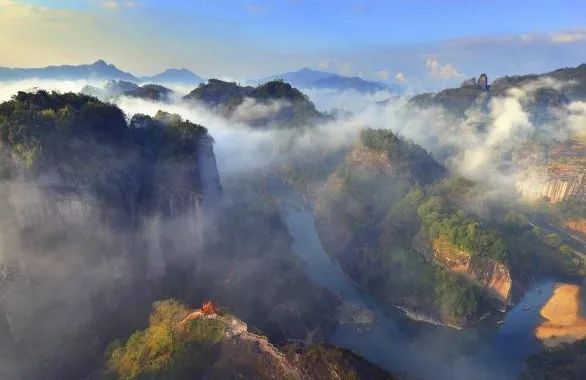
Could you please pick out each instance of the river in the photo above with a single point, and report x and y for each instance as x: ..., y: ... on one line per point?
x: 421, y: 350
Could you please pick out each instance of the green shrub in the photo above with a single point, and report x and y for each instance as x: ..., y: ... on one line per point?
x: 168, y: 348
x: 455, y: 296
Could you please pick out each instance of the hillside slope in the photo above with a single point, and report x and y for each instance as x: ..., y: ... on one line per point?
x: 274, y: 103
x: 182, y: 343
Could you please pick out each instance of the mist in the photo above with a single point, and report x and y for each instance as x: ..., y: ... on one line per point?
x: 61, y: 285
x: 476, y: 153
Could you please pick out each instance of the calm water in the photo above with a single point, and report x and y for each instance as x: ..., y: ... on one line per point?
x: 489, y: 351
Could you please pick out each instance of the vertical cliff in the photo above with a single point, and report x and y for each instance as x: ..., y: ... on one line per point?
x: 493, y: 276
x: 559, y: 177
x: 92, y: 210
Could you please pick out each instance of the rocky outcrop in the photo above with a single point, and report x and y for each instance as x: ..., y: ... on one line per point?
x: 561, y: 177
x: 565, y: 185
x: 554, y: 188
x: 242, y: 349
x: 220, y: 346
x: 240, y: 344
x: 493, y: 276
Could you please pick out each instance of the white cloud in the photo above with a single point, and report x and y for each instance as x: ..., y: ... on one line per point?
x: 577, y: 118
x: 383, y: 75
x: 444, y: 72
x: 568, y: 37
x: 323, y: 64
x: 345, y: 68
x: 400, y: 77
x: 117, y: 4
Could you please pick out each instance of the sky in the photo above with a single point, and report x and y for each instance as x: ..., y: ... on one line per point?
x: 416, y: 43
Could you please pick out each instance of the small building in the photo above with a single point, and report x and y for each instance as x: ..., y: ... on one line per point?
x: 209, y: 308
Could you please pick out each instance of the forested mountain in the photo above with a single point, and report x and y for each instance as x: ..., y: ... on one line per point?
x: 273, y: 103
x: 406, y: 231
x: 471, y: 94
x: 104, y: 216
x: 115, y: 88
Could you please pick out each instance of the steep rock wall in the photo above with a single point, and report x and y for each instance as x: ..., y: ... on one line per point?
x: 561, y: 176
x: 556, y: 186
x: 77, y: 247
x: 491, y: 275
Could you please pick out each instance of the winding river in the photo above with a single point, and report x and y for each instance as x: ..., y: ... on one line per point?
x: 421, y: 350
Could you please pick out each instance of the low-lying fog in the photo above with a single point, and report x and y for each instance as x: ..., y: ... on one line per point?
x: 475, y: 146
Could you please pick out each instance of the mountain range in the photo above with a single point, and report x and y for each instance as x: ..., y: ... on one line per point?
x: 309, y: 78
x: 101, y: 70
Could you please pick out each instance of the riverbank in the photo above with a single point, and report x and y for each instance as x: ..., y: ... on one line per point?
x: 404, y: 343
x: 564, y: 319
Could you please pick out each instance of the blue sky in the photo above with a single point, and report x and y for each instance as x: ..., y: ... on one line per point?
x: 417, y: 41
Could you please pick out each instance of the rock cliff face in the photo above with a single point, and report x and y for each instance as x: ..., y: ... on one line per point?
x: 91, y: 211
x: 558, y: 185
x: 561, y: 177
x: 491, y: 275
x: 209, y: 177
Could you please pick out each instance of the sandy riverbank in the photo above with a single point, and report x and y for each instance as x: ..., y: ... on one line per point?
x: 564, y: 320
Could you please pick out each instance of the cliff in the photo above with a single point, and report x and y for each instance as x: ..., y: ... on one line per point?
x: 366, y: 216
x: 93, y: 209
x: 560, y: 177
x: 100, y: 217
x: 225, y: 348
x: 493, y: 276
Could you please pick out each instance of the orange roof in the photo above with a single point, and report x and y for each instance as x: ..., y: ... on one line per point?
x: 209, y: 308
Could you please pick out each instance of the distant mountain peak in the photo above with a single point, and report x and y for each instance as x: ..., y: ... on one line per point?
x: 99, y: 70
x: 310, y: 78
x: 181, y: 70
x: 174, y: 75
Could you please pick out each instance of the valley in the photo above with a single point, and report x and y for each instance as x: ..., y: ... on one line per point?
x: 328, y: 246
